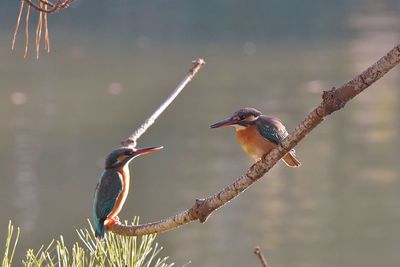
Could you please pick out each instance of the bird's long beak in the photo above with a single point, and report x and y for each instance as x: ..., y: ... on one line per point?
x: 223, y: 123
x: 146, y: 150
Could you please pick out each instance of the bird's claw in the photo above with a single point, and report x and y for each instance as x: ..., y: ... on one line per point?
x: 112, y: 221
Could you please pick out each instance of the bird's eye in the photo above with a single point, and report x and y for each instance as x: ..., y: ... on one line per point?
x: 243, y: 117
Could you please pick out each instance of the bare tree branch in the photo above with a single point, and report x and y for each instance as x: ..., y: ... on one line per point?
x: 131, y: 140
x: 332, y: 101
x: 44, y: 8
x: 261, y: 257
x: 54, y: 7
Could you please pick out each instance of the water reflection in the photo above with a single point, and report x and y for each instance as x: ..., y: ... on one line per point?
x: 26, y: 195
x: 339, y: 209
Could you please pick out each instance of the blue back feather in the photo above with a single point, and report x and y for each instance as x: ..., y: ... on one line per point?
x: 271, y: 129
x: 105, y: 197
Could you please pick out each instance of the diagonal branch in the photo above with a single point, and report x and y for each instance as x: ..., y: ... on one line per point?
x: 261, y: 257
x: 132, y: 139
x: 332, y: 101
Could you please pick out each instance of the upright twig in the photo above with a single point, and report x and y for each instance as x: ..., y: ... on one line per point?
x: 132, y: 139
x: 261, y: 257
x: 332, y: 100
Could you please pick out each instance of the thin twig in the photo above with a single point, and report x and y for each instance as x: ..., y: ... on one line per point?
x: 132, y: 139
x: 18, y: 23
x: 44, y: 8
x: 333, y: 100
x: 261, y: 257
x: 39, y: 32
x: 46, y: 33
x: 28, y: 11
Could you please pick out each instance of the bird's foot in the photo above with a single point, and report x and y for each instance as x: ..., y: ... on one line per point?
x: 116, y: 219
x: 112, y: 221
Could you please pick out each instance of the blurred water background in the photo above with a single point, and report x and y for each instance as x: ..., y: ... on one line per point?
x: 112, y: 63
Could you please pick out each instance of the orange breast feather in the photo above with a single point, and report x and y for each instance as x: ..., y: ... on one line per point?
x: 122, y: 196
x: 253, y: 143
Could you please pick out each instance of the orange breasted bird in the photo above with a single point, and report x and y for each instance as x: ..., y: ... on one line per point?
x: 113, y: 187
x: 258, y: 134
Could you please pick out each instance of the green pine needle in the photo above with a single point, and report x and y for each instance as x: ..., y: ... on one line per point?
x: 114, y: 250
x: 8, y: 258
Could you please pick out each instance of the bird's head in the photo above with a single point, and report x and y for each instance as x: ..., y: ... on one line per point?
x: 121, y: 156
x: 240, y: 119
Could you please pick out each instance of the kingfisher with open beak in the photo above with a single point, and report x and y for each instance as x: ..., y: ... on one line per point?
x: 258, y: 134
x: 113, y: 187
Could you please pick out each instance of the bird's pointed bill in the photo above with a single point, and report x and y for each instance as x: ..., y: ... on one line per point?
x: 223, y: 123
x: 147, y: 150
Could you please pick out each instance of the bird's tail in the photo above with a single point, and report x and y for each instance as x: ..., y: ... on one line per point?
x: 99, y: 231
x: 290, y: 159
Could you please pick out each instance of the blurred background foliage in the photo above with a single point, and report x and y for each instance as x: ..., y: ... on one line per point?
x: 112, y: 64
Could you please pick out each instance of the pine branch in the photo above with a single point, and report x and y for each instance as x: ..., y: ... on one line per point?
x: 332, y: 100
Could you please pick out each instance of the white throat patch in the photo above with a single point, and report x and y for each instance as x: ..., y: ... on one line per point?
x: 238, y: 127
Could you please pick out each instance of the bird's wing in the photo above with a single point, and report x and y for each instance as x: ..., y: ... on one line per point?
x: 107, y: 192
x: 271, y: 129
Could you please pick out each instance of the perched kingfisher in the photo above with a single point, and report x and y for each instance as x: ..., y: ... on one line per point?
x: 113, y: 187
x: 258, y: 134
